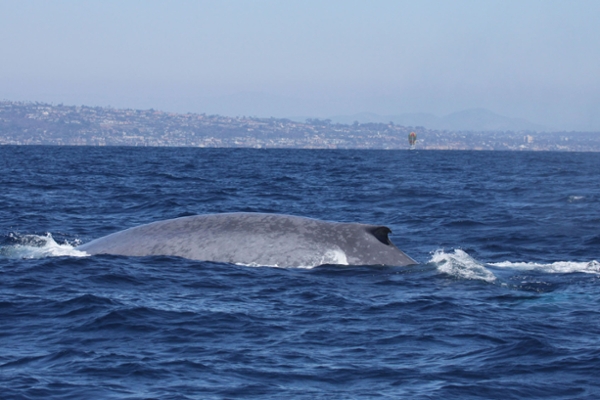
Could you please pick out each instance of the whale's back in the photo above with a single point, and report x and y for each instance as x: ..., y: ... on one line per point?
x: 256, y: 239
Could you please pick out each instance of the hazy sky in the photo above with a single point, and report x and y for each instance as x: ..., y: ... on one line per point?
x: 534, y: 59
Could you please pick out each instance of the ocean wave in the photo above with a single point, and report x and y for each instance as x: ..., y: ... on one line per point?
x: 37, y: 246
x: 461, y: 265
x: 574, y: 199
x: 558, y: 267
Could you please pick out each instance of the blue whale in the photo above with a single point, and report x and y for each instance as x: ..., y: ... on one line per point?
x: 256, y: 239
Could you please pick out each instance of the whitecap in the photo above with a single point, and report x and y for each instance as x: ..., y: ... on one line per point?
x: 573, y: 199
x: 37, y: 246
x: 461, y: 265
x: 558, y: 267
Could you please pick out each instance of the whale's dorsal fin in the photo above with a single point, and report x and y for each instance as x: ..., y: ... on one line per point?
x: 381, y: 233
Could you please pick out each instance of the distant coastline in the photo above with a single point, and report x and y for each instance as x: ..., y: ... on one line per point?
x: 29, y: 123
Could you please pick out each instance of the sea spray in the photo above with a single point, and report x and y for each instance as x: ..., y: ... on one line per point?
x: 36, y: 246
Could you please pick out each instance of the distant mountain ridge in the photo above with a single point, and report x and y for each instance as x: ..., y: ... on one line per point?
x: 475, y: 119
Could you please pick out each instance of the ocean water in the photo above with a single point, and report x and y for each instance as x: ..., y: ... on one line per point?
x: 505, y: 303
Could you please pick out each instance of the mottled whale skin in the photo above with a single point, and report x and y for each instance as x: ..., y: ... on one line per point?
x: 256, y: 239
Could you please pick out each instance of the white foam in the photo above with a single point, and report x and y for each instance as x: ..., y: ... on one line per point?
x: 558, y: 267
x: 573, y: 199
x: 36, y: 246
x: 461, y: 265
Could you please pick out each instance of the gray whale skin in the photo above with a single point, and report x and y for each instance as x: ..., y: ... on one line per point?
x: 256, y: 239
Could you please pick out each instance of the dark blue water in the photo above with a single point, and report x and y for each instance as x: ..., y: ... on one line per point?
x: 504, y: 305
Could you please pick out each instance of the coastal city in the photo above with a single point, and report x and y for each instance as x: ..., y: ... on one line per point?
x: 34, y: 123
